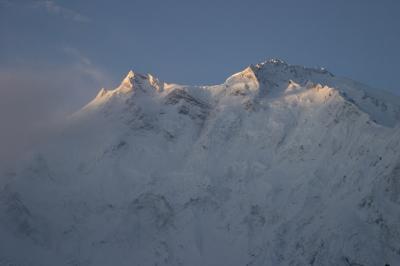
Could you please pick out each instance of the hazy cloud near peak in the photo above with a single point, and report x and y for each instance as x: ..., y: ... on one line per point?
x: 34, y: 99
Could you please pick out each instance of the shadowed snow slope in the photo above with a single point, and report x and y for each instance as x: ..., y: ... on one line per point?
x: 280, y: 165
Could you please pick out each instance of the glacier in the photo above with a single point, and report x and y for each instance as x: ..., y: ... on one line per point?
x: 279, y: 165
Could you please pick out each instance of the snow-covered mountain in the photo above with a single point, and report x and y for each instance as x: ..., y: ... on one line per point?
x: 280, y: 165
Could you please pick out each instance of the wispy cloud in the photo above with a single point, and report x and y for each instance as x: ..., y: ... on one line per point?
x: 56, y: 9
x: 50, y: 6
x: 86, y: 67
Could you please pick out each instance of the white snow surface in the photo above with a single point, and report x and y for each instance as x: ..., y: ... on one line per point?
x: 280, y: 165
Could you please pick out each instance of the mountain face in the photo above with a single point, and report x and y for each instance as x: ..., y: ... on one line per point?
x: 280, y: 165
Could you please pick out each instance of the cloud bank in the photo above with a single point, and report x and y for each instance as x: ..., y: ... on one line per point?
x: 33, y: 100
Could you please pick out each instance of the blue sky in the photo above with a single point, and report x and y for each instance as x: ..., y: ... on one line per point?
x: 56, y: 54
x: 197, y: 42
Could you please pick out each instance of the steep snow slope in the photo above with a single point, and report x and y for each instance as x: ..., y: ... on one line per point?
x: 280, y: 165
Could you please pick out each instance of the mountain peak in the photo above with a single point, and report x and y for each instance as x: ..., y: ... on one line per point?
x: 275, y: 71
x: 128, y: 82
x: 134, y: 81
x: 130, y: 74
x: 275, y: 61
x: 244, y: 82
